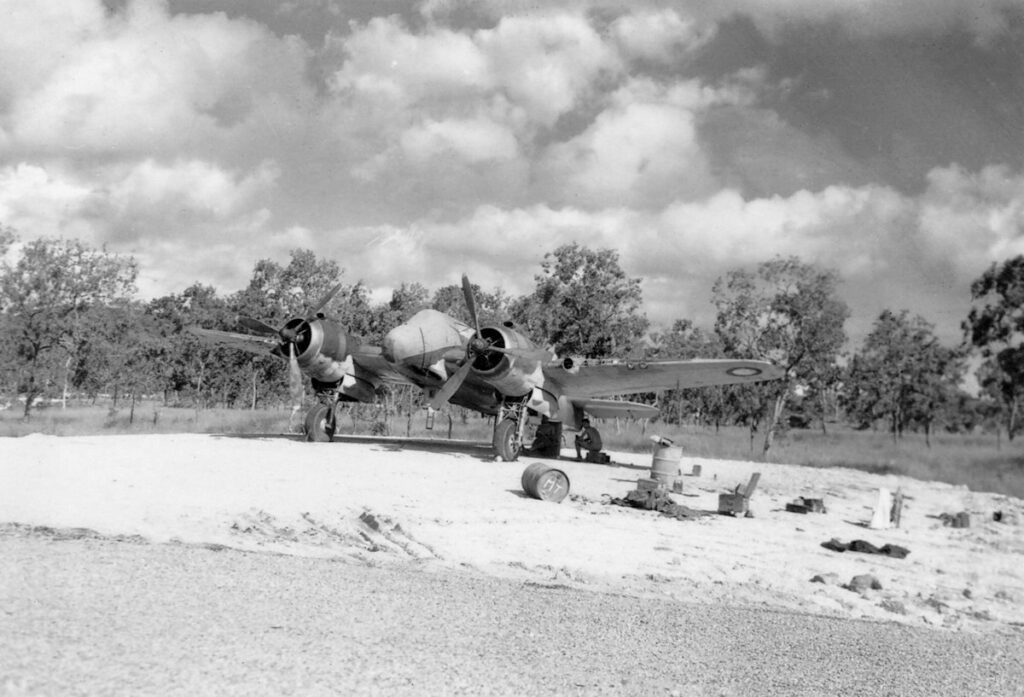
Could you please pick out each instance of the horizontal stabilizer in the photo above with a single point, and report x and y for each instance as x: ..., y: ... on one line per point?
x: 612, y: 409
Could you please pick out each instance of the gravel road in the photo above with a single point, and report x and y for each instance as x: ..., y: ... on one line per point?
x: 85, y: 616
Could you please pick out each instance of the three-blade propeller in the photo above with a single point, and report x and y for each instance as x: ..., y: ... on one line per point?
x: 291, y: 334
x: 478, y: 346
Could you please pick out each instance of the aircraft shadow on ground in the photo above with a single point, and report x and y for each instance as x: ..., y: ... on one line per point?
x: 480, y: 450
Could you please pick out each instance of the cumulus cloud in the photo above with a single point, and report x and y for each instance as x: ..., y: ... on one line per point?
x: 642, y: 150
x: 547, y: 63
x: 539, y: 66
x: 973, y: 218
x: 140, y: 81
x: 985, y: 19
x: 128, y: 205
x: 660, y: 35
x: 388, y: 62
x: 43, y: 202
x: 525, y: 71
x: 189, y: 189
x: 473, y: 138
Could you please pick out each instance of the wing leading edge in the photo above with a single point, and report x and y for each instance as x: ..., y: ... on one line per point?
x: 243, y: 342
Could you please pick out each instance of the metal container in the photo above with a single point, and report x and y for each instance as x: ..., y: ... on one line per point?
x: 546, y: 483
x: 666, y: 463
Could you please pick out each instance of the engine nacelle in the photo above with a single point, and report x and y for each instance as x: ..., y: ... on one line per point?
x: 572, y: 364
x: 323, y: 348
x: 511, y: 375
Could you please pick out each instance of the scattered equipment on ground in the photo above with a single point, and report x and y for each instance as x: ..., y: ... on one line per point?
x: 956, y: 520
x: 1008, y: 517
x: 888, y: 510
x: 737, y: 502
x: 657, y: 499
x: 546, y: 483
x: 806, y: 505
x: 866, y: 547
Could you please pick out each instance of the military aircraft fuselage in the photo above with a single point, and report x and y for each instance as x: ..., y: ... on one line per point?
x: 427, y: 338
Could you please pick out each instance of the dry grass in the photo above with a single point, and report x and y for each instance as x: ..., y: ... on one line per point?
x: 89, y: 420
x: 980, y: 462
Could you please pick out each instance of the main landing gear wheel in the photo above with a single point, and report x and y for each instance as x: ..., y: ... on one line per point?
x: 506, y: 441
x: 320, y: 424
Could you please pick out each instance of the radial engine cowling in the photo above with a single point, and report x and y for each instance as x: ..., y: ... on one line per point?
x: 509, y: 374
x: 322, y: 348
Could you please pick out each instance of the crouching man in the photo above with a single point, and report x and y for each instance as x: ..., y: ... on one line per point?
x: 548, y: 440
x: 590, y: 440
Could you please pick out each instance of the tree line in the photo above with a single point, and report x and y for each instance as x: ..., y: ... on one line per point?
x: 72, y: 326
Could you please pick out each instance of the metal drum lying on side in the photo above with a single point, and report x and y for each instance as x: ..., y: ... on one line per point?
x: 540, y: 481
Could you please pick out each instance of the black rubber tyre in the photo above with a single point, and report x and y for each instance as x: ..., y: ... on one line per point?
x: 320, y: 424
x: 505, y: 444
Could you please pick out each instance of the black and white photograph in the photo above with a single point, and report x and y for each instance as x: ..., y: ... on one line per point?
x: 492, y: 347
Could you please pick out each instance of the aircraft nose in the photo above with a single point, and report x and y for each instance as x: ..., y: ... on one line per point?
x: 401, y: 344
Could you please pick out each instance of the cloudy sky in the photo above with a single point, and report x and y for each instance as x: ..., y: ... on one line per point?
x: 415, y: 141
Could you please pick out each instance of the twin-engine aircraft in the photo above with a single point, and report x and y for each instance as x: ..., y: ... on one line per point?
x: 494, y: 370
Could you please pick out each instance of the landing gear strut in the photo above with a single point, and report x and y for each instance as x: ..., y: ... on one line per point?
x: 508, y: 431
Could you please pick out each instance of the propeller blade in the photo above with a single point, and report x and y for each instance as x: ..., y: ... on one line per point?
x: 326, y: 299
x: 467, y: 290
x: 294, y: 377
x: 255, y: 325
x: 451, y: 386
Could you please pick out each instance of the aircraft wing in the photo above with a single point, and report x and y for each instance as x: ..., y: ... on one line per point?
x: 262, y: 345
x: 369, y: 360
x: 608, y: 378
x: 611, y: 409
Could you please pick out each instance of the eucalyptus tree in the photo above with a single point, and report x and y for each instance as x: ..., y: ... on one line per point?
x: 46, y: 295
x: 789, y: 312
x: 995, y: 328
x: 902, y: 374
x: 583, y: 304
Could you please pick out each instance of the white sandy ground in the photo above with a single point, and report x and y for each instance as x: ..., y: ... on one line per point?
x: 445, y: 505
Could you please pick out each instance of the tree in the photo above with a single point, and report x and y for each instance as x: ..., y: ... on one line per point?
x: 492, y: 308
x: 902, y: 374
x: 276, y: 293
x: 190, y: 366
x: 787, y: 312
x: 685, y: 341
x: 995, y: 327
x: 121, y: 350
x: 45, y: 297
x: 583, y: 303
x: 406, y: 300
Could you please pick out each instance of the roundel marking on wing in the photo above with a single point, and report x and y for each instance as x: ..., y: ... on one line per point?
x: 744, y: 372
